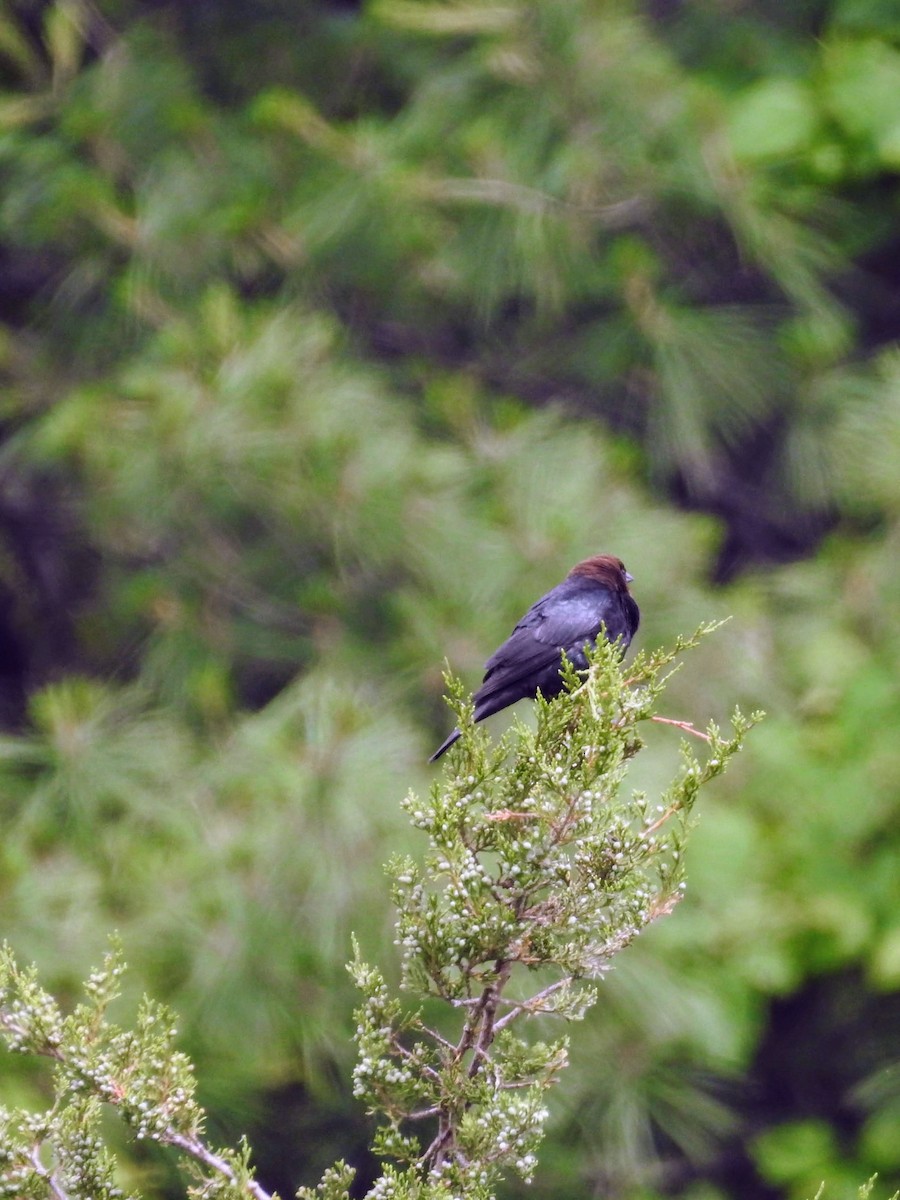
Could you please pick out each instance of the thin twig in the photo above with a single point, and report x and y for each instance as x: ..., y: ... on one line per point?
x: 435, y: 1154
x: 560, y: 831
x: 477, y: 1036
x: 11, y: 1025
x: 685, y: 725
x: 443, y: 1136
x: 661, y: 820
x: 532, y: 1005
x: 489, y: 1015
x: 421, y: 1113
x: 50, y: 1176
x: 192, y: 1145
x: 410, y: 1056
x: 437, y: 1037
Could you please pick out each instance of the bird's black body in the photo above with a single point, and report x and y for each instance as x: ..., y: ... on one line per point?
x: 593, y: 595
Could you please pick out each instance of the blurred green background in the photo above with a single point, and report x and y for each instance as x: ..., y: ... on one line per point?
x: 331, y: 335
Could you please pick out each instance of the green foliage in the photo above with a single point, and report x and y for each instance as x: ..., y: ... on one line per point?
x: 60, y: 1152
x: 307, y: 318
x: 561, y: 166
x: 538, y: 874
x: 542, y: 867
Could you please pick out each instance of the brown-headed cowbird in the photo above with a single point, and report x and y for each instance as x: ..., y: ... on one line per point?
x: 593, y: 594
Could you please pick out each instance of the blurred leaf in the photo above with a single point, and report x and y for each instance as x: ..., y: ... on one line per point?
x: 446, y: 18
x: 861, y: 83
x: 880, y: 1138
x: 795, y: 1151
x: 64, y: 39
x: 885, y: 961
x: 16, y: 47
x: 776, y: 118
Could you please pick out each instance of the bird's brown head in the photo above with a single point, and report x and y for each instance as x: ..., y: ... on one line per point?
x: 605, y: 568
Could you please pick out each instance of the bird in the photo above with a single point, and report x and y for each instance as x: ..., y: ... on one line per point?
x: 593, y: 595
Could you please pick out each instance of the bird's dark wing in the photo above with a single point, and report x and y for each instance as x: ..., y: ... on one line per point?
x: 567, y: 617
x: 570, y: 615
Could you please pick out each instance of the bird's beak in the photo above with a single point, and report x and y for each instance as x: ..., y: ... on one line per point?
x: 629, y: 578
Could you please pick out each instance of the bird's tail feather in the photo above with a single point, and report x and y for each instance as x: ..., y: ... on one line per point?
x: 445, y: 745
